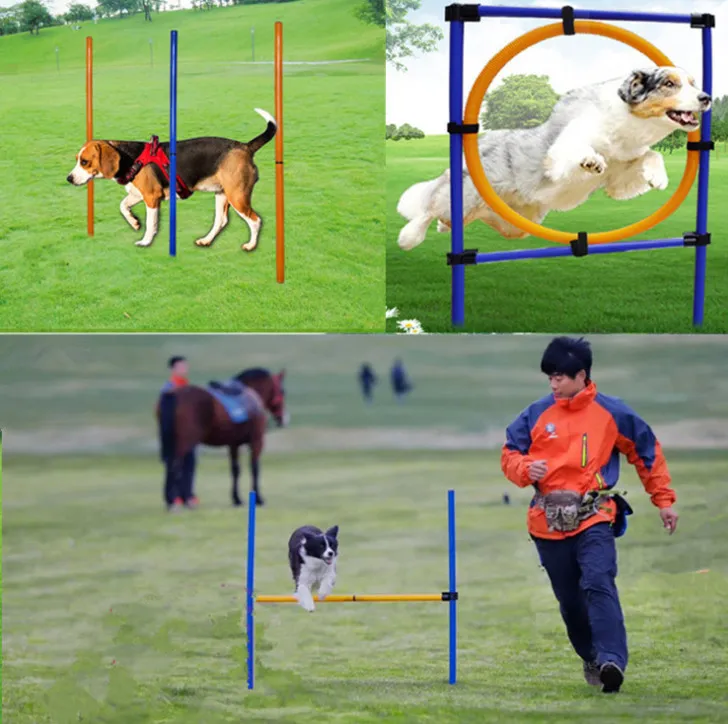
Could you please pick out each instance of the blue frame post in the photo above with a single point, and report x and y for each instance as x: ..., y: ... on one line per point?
x: 249, y: 595
x: 457, y: 33
x: 701, y: 252
x: 173, y: 144
x: 453, y: 588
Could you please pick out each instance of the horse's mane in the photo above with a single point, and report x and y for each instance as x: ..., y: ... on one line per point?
x: 253, y: 373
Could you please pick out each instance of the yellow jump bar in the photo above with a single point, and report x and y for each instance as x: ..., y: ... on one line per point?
x: 353, y: 598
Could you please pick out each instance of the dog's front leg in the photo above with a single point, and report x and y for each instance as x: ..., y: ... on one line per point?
x: 152, y: 223
x: 328, y: 583
x: 304, y: 597
x: 572, y: 154
x: 627, y: 180
x: 133, y: 196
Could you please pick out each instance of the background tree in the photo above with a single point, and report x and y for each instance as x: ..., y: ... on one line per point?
x: 390, y: 129
x: 33, y: 15
x: 10, y: 20
x: 404, y: 132
x: 677, y: 139
x: 77, y: 13
x: 402, y: 36
x: 521, y: 101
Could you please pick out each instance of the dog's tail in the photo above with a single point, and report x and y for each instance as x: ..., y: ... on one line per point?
x: 414, y: 204
x: 270, y: 130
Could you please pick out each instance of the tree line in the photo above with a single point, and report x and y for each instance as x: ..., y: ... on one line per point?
x: 30, y: 16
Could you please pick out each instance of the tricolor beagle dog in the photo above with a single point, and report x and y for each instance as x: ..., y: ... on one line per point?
x: 220, y: 165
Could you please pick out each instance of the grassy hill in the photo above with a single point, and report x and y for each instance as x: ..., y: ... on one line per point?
x: 220, y: 35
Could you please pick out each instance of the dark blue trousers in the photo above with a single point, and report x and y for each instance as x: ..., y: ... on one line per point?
x: 179, y: 483
x: 582, y: 570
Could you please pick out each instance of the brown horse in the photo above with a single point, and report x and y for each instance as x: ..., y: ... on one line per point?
x: 189, y: 416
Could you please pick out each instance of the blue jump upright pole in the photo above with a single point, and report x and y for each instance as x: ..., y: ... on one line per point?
x: 453, y: 589
x: 701, y: 252
x: 457, y: 33
x: 249, y: 599
x: 173, y: 144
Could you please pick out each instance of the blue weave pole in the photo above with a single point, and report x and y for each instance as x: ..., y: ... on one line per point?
x: 457, y: 33
x: 249, y: 599
x: 489, y: 257
x: 701, y: 252
x: 453, y: 583
x: 499, y: 11
x: 173, y: 144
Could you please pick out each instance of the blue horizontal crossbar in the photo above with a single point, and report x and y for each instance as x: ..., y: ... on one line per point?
x: 489, y: 257
x: 505, y: 11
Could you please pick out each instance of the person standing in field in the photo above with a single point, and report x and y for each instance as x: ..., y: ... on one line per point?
x: 179, y: 488
x: 367, y: 380
x: 567, y: 445
x: 401, y: 385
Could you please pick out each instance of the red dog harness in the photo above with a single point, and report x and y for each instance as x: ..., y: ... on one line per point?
x: 154, y: 153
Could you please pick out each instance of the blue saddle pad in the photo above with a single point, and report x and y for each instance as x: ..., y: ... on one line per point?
x: 233, y: 405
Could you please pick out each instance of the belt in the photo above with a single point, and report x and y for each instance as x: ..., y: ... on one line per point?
x: 566, y: 510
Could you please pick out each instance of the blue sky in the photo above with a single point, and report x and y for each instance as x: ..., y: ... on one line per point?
x: 420, y: 95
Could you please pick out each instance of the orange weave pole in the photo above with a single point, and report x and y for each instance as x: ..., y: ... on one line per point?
x: 353, y: 598
x: 89, y: 129
x: 280, y: 241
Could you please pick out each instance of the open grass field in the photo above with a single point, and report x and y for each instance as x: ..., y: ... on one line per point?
x: 115, y: 612
x: 649, y: 292
x: 53, y: 277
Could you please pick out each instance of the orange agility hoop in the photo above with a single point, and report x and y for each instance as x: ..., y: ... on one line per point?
x: 475, y: 164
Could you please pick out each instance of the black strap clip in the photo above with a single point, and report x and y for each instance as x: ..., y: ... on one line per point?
x: 462, y: 13
x: 466, y: 257
x: 701, y: 145
x: 449, y: 595
x: 567, y: 17
x: 463, y: 127
x: 702, y: 20
x: 580, y: 245
x: 692, y: 238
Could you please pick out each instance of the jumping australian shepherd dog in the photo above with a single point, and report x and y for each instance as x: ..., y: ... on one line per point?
x: 312, y: 555
x: 598, y: 136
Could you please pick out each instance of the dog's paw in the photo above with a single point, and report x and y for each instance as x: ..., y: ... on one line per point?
x: 442, y: 227
x: 135, y: 223
x: 594, y: 163
x: 203, y: 242
x: 249, y: 246
x: 143, y: 242
x: 656, y: 177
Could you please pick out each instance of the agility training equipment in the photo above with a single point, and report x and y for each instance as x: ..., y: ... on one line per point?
x: 173, y: 55
x: 451, y: 595
x: 463, y: 130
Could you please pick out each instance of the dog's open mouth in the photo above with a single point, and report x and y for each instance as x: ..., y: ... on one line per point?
x: 683, y: 118
x: 328, y: 561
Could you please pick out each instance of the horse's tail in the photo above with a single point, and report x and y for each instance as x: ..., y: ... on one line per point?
x: 167, y: 410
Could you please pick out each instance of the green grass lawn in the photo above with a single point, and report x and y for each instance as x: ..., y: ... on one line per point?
x: 649, y: 291
x: 53, y: 277
x: 116, y: 612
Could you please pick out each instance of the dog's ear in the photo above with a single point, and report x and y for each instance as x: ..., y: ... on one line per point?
x: 636, y: 87
x: 332, y: 532
x: 109, y: 159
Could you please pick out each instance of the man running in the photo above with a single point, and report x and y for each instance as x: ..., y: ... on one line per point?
x: 567, y: 445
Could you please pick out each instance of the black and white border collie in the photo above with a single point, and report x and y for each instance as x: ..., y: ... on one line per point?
x: 312, y: 555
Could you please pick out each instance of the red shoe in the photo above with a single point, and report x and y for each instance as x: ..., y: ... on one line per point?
x: 193, y: 502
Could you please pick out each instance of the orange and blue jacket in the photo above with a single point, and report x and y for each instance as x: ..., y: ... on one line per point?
x: 581, y: 438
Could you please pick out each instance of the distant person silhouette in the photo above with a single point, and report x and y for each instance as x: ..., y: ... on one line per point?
x: 175, y: 497
x: 401, y: 386
x: 367, y: 380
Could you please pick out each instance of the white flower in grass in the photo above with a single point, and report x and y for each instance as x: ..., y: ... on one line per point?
x: 415, y: 330
x: 408, y: 325
x: 392, y: 313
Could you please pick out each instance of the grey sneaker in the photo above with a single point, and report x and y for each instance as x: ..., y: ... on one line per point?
x: 611, y: 677
x: 591, y: 673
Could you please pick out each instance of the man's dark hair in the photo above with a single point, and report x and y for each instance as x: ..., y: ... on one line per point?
x: 173, y: 360
x: 567, y: 356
